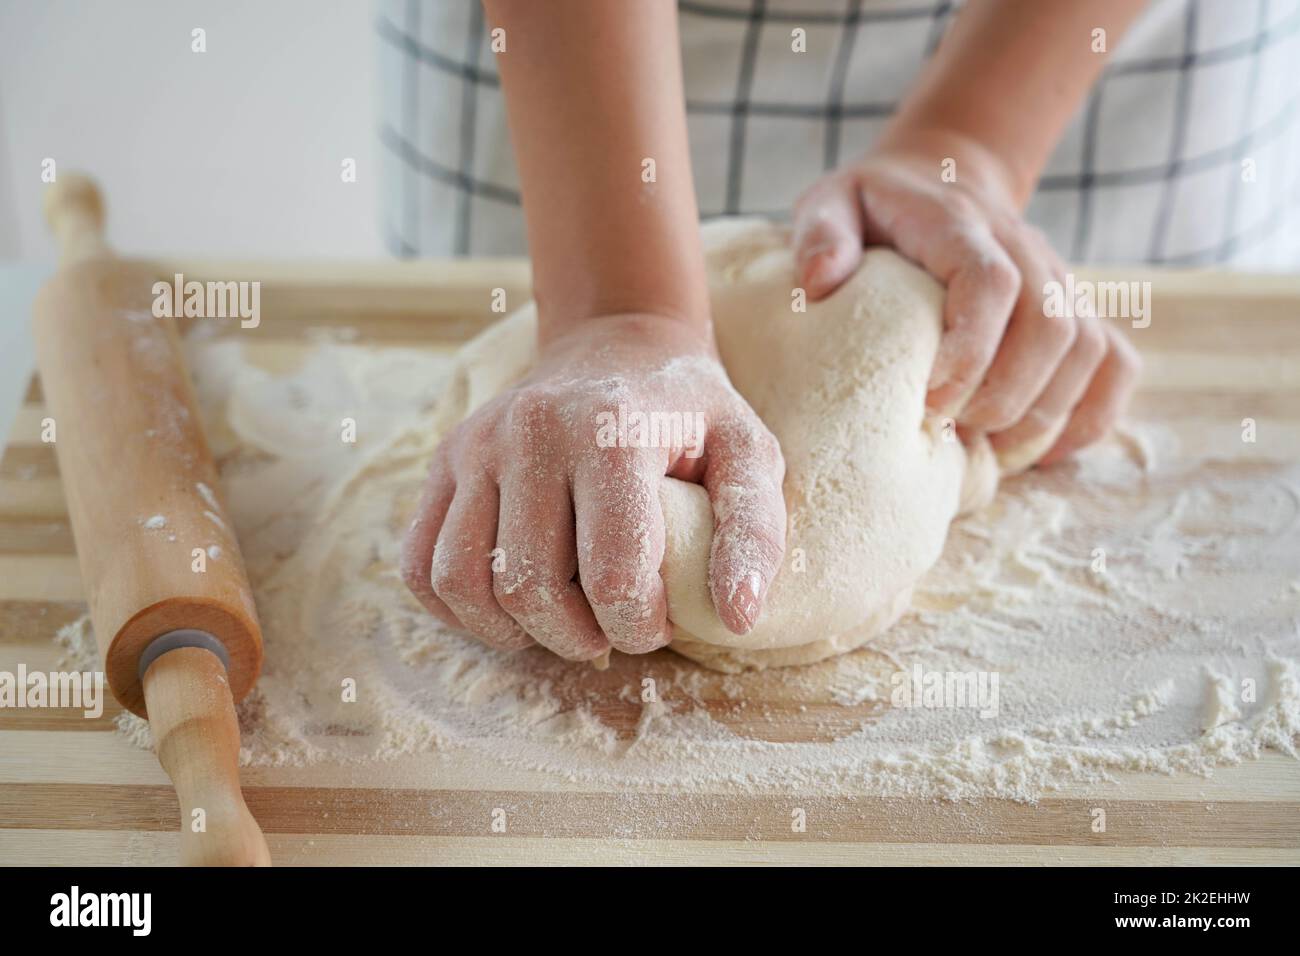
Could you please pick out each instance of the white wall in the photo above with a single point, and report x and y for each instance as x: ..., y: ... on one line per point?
x: 235, y: 151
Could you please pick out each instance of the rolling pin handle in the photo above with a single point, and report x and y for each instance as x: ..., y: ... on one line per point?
x: 195, y: 731
x: 74, y: 210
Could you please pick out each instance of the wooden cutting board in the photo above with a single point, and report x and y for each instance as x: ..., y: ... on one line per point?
x: 1222, y: 348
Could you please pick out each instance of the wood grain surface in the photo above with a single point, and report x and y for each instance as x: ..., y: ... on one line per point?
x: 1220, y: 348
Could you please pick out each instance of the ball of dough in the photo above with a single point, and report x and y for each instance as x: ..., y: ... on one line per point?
x: 872, y: 483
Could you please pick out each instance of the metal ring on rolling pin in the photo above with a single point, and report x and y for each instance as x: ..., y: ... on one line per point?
x: 184, y: 637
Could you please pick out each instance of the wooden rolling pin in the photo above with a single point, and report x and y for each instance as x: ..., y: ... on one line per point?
x: 170, y: 602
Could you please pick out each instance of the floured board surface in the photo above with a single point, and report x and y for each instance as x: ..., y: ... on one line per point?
x: 72, y: 790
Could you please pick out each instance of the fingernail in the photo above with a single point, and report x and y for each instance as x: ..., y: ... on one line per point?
x: 746, y: 600
x: 816, y: 269
x: 809, y: 253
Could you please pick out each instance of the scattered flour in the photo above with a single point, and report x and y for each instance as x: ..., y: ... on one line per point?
x: 206, y: 493
x: 1140, y: 609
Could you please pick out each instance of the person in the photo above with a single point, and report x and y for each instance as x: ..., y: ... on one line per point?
x: 598, y: 118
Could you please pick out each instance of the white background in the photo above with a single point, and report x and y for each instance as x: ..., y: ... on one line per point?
x: 233, y: 152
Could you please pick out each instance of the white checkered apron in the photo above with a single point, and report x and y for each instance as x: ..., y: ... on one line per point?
x: 1186, y: 152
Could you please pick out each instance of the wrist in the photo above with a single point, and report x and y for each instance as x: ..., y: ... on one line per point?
x: 555, y: 323
x: 625, y: 286
x: 675, y: 334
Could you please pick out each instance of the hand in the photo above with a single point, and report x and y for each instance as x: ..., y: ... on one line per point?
x: 548, y: 531
x: 1036, y: 383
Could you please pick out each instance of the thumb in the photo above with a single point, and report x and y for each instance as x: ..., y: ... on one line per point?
x: 743, y: 477
x: 828, y: 228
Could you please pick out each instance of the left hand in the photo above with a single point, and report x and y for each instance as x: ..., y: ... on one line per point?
x: 1036, y: 383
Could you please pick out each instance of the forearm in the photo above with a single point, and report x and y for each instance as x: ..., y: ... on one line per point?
x: 1008, y: 77
x: 593, y: 90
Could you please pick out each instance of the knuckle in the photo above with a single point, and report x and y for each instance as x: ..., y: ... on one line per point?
x: 959, y: 207
x: 999, y: 411
x: 1034, y: 237
x: 519, y: 603
x: 625, y: 607
x: 470, y: 445
x: 617, y: 456
x: 614, y: 589
x: 1003, y: 414
x: 1000, y: 275
x: 1036, y: 422
x: 959, y: 389
x: 750, y: 440
x: 525, y: 595
x: 1090, y: 341
x: 453, y: 585
x: 969, y: 368
x: 439, y: 469
x: 415, y: 574
x: 1060, y: 331
x: 639, y: 643
x: 1089, y: 430
x: 514, y: 594
x: 766, y: 449
x: 473, y: 431
x: 1032, y: 243
x: 531, y: 414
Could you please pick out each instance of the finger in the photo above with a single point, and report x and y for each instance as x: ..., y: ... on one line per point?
x: 462, y: 565
x: 827, y: 236
x: 1104, y: 400
x: 1027, y: 440
x: 982, y: 285
x: 1032, y: 349
x: 536, y: 562
x: 417, y: 548
x: 743, y: 475
x: 950, y: 239
x: 620, y: 530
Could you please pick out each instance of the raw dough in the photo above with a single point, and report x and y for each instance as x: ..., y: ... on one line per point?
x: 872, y: 482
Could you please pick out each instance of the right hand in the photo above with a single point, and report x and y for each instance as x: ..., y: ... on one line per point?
x: 576, y: 529
x: 1046, y: 385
